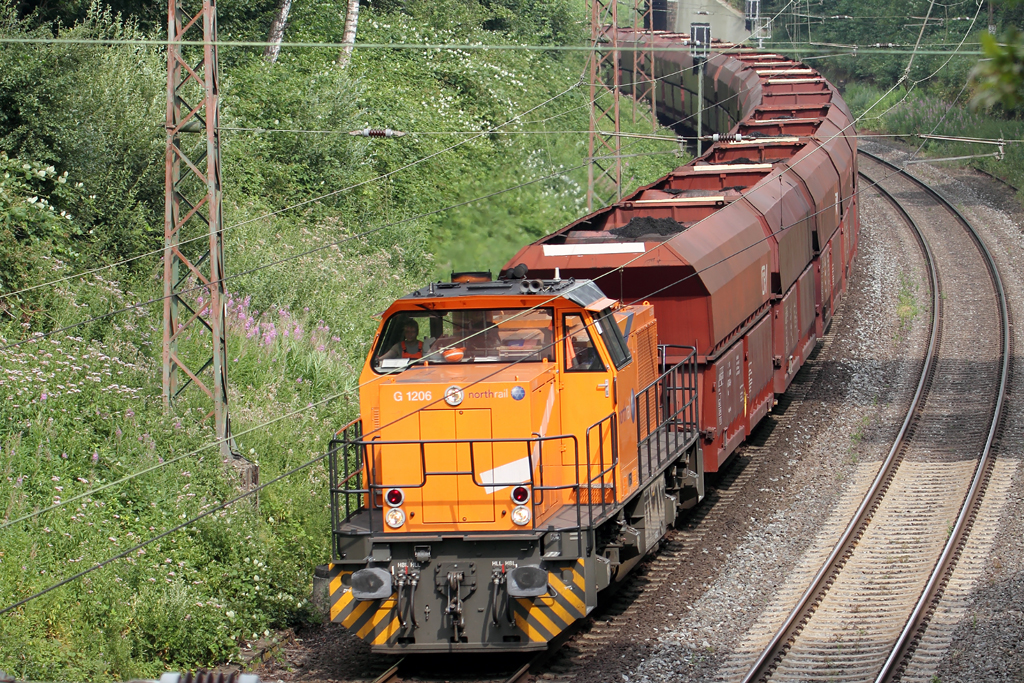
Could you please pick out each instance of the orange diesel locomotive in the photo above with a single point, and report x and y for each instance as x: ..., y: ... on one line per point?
x: 500, y: 480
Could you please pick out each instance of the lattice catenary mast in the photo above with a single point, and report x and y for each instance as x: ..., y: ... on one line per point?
x: 194, y: 343
x: 604, y: 174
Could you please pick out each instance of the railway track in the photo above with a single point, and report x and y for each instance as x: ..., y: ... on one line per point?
x: 864, y: 613
x: 410, y: 669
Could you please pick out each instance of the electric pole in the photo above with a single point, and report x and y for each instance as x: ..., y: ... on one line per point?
x: 643, y: 85
x: 194, y: 340
x: 700, y: 46
x: 604, y: 173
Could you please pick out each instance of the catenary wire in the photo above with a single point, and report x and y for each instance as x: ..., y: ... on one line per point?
x: 141, y: 42
x: 323, y: 401
x: 321, y: 457
x: 337, y: 395
x: 308, y: 201
x: 291, y: 414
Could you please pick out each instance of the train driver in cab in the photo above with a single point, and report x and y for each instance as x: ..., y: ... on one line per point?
x: 410, y: 345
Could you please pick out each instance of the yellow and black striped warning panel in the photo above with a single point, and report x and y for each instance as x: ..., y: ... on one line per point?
x: 375, y: 621
x: 541, y: 619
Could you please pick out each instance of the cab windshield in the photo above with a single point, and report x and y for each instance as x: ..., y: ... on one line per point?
x: 493, y: 335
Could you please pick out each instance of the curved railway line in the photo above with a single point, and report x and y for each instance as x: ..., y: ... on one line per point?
x: 864, y: 613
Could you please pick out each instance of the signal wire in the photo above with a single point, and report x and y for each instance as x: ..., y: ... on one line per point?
x: 331, y: 398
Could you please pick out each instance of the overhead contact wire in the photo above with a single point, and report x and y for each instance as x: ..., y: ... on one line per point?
x: 338, y: 395
x: 321, y: 457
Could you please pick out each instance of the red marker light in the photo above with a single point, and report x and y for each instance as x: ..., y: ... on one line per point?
x: 520, y: 495
x: 394, y: 497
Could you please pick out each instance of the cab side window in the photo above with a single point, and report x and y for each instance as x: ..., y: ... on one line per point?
x: 580, y: 353
x: 616, y: 344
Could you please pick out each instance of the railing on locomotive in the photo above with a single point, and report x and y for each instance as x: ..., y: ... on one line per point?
x: 613, y: 420
x: 680, y: 379
x: 674, y: 394
x: 354, y: 466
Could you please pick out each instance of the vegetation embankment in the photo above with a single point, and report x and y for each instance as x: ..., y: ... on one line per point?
x: 921, y: 112
x: 81, y: 186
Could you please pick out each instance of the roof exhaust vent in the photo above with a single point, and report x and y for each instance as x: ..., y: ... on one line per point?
x: 472, y: 276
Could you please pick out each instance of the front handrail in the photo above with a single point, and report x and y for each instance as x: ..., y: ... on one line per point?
x: 666, y: 413
x: 472, y: 472
x: 371, y: 484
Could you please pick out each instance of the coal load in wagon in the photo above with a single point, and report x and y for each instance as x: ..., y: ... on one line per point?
x: 640, y: 226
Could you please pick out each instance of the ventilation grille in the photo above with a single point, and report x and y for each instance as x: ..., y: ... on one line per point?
x: 647, y: 372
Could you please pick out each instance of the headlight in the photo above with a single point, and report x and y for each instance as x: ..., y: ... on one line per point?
x: 396, y: 518
x: 521, y: 515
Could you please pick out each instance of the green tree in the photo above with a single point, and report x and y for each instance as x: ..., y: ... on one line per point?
x: 999, y: 79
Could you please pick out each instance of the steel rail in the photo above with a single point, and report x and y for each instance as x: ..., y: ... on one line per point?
x: 390, y: 674
x: 397, y: 672
x: 853, y: 531
x: 905, y: 643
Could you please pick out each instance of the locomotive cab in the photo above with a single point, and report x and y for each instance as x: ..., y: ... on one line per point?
x: 512, y: 457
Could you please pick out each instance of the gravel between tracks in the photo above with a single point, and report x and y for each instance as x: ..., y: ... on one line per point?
x: 850, y: 416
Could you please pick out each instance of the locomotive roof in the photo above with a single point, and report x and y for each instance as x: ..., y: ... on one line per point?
x: 583, y: 292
